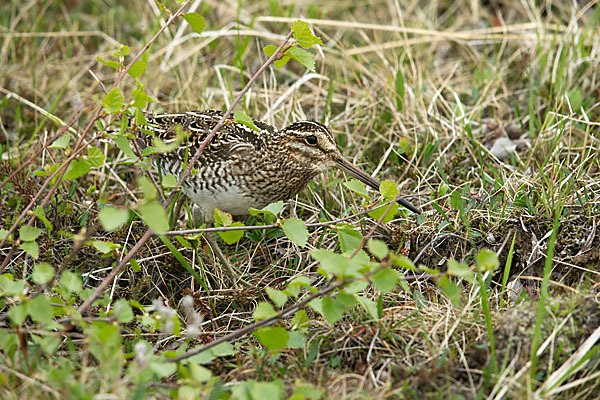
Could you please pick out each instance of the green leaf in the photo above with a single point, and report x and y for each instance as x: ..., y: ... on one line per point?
x: 451, y: 290
x: 380, y: 305
x: 575, y: 99
x: 332, y: 310
x: 42, y: 273
x: 386, y: 280
x: 293, y: 288
x: 70, y: 282
x: 103, y: 247
x: 263, y: 310
x: 231, y: 237
x: 349, y: 239
x: 122, y: 52
x: 147, y: 188
x: 111, y: 63
x: 62, y: 142
x: 378, y: 213
x: 346, y: 299
x: 276, y: 296
x: 302, y: 281
x: 155, y: 216
x: 140, y: 118
x: 369, y: 305
x: 357, y: 187
x: 456, y: 200
x: 274, y: 209
x: 135, y: 266
x: 198, y: 373
x: 49, y: 343
x: 461, y: 270
x: 3, y: 234
x: 317, y: 305
x: 112, y: 218
x: 331, y: 262
x: 17, y: 314
x: 388, y: 190
x: 296, y: 340
x: 95, y: 157
x: 163, y: 369
x: 123, y: 311
x: 76, y: 169
x: 139, y: 67
x: 29, y: 233
x: 161, y: 146
x: 403, y: 262
x: 378, y: 248
x: 40, y: 309
x: 141, y: 98
x: 356, y: 286
x: 303, y: 57
x: 252, y: 390
x: 487, y: 260
x: 169, y: 181
x: 196, y: 21
x: 123, y: 145
x: 113, y: 101
x: 307, y: 392
x: 399, y: 89
x: 304, y: 36
x: 222, y: 218
x: 41, y: 214
x: 242, y: 118
x: 269, y: 50
x: 223, y: 349
x: 10, y: 287
x: 31, y: 248
x: 273, y: 338
x: 443, y: 189
x: 295, y: 230
x: 300, y: 322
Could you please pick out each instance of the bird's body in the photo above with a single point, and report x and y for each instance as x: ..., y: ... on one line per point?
x: 243, y: 168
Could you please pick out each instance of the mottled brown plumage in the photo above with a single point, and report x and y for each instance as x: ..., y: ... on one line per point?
x: 243, y: 168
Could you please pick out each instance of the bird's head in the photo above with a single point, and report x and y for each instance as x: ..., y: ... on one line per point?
x: 313, y: 148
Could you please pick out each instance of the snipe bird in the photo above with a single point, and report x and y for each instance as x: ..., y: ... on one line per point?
x: 242, y: 168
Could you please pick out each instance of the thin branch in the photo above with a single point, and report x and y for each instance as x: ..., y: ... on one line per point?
x: 272, y: 226
x: 265, y: 322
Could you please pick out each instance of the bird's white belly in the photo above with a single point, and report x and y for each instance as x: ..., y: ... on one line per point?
x: 228, y: 199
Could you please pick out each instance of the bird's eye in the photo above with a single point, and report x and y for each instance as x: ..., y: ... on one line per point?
x: 311, y: 139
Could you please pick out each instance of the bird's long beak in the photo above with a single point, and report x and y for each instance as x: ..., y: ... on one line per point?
x: 365, y: 178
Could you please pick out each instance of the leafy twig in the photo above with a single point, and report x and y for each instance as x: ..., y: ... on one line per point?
x: 272, y: 226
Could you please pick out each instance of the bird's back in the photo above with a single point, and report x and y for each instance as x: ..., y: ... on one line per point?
x: 236, y: 171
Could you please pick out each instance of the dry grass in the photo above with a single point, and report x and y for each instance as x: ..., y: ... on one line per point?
x: 472, y: 72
